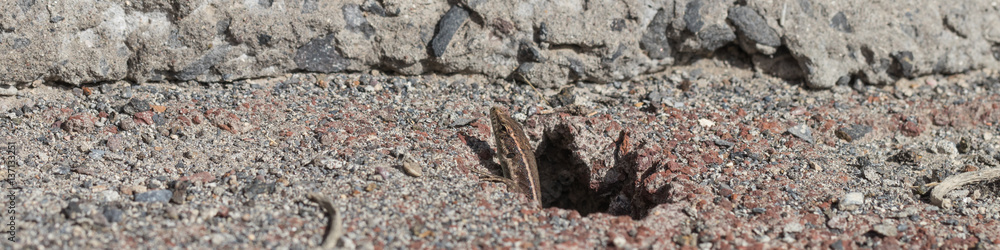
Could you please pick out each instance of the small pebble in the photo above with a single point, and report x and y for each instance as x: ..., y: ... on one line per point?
x: 620, y: 241
x: 853, y: 132
x: 724, y: 143
x: 110, y: 196
x: 803, y: 132
x: 411, y: 167
x: 946, y: 147
x: 963, y: 146
x: 706, y: 123
x: 851, y: 201
x: 886, y: 230
x: 794, y: 227
x: 161, y: 195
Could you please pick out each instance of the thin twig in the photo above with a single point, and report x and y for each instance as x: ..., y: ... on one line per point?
x: 955, y: 181
x: 334, y: 227
x: 539, y: 93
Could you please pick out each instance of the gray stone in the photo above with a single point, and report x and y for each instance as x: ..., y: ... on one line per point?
x: 541, y: 75
x: 871, y: 174
x: 839, y: 22
x: 161, y: 195
x: 837, y: 222
x: 72, y: 210
x: 576, y: 67
x: 200, y: 66
x: 753, y: 26
x: 7, y: 90
x: 853, y: 132
x: 446, y: 28
x: 61, y: 170
x: 903, y: 63
x: 655, y: 41
x: 112, y: 214
x: 851, y: 201
x: 887, y: 230
x: 356, y: 21
x: 692, y: 17
x: 320, y: 55
x: 309, y: 6
x: 566, y: 96
x: 133, y: 106
x: 803, y: 132
x: 946, y: 147
x: 716, y: 36
x: 96, y: 154
x: 529, y: 52
x: 793, y: 227
x: 256, y: 187
x: 110, y: 196
x: 724, y: 143
x: 837, y: 245
x: 373, y: 6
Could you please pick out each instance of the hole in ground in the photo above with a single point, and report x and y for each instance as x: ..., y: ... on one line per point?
x: 565, y: 177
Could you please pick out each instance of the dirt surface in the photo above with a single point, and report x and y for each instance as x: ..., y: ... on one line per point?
x: 709, y: 156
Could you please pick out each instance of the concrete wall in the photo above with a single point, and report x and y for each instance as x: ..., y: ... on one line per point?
x: 548, y: 43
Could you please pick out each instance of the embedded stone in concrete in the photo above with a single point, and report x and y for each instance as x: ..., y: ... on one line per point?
x: 839, y: 22
x: 753, y: 26
x: 529, y: 52
x: 198, y: 67
x: 446, y: 29
x: 320, y: 55
x: 904, y: 61
x: 601, y: 42
x: 716, y: 36
x: 356, y: 21
x: 655, y: 41
x: 692, y: 17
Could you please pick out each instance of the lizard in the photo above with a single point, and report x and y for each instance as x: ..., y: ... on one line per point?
x: 516, y: 158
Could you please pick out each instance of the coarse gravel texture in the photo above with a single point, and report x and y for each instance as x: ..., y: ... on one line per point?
x: 709, y: 155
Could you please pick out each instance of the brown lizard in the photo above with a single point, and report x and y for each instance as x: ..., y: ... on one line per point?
x: 516, y: 158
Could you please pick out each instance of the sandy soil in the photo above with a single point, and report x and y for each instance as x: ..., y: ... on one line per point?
x: 709, y: 156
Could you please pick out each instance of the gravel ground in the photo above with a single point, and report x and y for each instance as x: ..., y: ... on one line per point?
x: 706, y: 156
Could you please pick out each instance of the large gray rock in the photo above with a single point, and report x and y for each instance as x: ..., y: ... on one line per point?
x: 552, y: 42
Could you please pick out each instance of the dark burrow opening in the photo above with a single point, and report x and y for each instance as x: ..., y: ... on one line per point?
x: 565, y: 177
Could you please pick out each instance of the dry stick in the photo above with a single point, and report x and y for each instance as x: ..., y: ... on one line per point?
x: 955, y: 181
x: 334, y: 226
x: 540, y: 95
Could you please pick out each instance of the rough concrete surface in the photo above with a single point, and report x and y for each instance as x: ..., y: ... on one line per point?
x: 818, y: 42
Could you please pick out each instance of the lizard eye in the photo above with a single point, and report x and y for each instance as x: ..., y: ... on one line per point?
x: 510, y: 155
